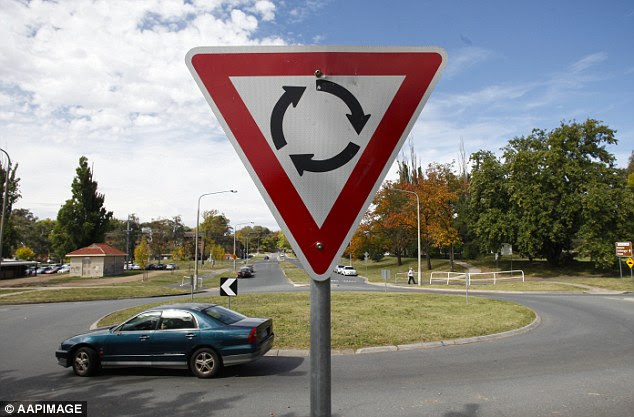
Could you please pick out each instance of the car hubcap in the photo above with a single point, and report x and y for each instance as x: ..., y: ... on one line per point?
x: 82, y: 361
x: 204, y: 363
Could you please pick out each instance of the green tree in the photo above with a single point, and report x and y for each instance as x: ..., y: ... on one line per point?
x: 122, y: 232
x: 547, y: 193
x: 282, y: 242
x: 214, y: 230
x: 607, y: 217
x: 179, y: 253
x: 489, y: 203
x: 10, y: 239
x: 82, y: 220
x: 165, y: 235
x: 31, y: 232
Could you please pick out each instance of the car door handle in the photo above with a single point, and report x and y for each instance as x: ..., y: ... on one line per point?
x: 144, y: 337
x: 190, y: 335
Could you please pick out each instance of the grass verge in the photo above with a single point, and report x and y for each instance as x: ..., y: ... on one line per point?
x: 86, y: 294
x: 294, y: 273
x: 614, y: 284
x: 373, y: 319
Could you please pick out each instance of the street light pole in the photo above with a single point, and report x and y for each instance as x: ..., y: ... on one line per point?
x: 418, y: 218
x: 4, y: 202
x: 234, y: 242
x: 195, y: 283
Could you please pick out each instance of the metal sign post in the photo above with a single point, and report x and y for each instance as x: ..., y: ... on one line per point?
x: 385, y: 274
x: 466, y: 283
x: 320, y: 371
x: 620, y: 268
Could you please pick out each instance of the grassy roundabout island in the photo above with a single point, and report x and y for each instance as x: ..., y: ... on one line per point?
x: 371, y: 319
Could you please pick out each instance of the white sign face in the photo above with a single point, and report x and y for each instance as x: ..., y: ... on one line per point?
x: 507, y: 249
x: 305, y: 132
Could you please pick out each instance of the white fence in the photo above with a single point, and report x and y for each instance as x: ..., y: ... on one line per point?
x: 476, y: 277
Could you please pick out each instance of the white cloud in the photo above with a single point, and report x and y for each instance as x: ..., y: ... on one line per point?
x: 109, y: 81
x: 266, y: 9
x: 465, y: 58
x: 588, y: 61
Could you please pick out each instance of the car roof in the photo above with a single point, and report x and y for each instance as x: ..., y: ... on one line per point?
x: 184, y: 306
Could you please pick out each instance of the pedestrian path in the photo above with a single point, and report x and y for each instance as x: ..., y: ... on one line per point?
x: 470, y: 268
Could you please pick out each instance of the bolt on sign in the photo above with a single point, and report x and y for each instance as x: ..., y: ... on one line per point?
x: 317, y: 128
x: 624, y: 249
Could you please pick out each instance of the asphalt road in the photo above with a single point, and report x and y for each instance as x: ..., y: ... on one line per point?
x: 578, y: 362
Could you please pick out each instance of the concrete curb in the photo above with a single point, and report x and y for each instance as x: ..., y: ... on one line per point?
x: 290, y: 281
x: 304, y: 353
x: 479, y: 291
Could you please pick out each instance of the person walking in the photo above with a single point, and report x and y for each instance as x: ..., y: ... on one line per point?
x: 410, y: 276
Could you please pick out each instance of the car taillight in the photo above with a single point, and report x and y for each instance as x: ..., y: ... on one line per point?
x: 252, y: 338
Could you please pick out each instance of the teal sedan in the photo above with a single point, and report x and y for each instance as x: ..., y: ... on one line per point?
x: 195, y: 336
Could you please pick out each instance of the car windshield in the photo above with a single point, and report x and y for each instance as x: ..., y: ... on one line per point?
x: 224, y: 315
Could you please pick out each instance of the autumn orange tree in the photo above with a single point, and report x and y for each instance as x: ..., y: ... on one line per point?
x: 392, y: 221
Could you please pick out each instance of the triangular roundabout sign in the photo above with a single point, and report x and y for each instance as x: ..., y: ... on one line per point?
x: 317, y: 128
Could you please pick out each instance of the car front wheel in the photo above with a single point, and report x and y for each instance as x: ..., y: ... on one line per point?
x: 204, y: 363
x: 85, y: 362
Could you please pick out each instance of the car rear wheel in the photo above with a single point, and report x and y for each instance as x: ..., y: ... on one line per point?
x: 205, y: 363
x: 85, y: 362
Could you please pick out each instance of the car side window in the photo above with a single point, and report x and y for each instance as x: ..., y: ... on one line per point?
x: 175, y: 319
x: 144, y: 321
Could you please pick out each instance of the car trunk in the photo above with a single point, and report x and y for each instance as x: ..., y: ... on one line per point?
x: 264, y: 327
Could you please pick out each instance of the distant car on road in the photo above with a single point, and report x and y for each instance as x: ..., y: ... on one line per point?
x: 171, y: 267
x: 201, y: 337
x: 245, y: 272
x: 349, y: 271
x: 338, y: 269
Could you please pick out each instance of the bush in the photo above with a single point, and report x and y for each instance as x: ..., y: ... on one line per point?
x: 25, y: 253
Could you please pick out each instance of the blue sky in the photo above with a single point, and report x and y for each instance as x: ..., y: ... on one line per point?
x: 107, y: 80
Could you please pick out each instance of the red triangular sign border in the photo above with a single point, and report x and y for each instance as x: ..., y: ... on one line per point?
x: 421, y: 68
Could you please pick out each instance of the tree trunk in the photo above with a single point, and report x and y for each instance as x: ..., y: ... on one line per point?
x: 399, y: 260
x: 428, y: 255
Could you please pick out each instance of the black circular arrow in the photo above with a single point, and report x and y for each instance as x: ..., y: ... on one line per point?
x: 305, y: 162
x: 291, y: 96
x: 357, y: 118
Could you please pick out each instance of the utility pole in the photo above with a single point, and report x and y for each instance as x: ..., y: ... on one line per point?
x: 4, y: 203
x: 127, y: 242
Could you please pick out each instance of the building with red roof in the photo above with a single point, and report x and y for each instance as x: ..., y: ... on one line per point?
x: 96, y: 260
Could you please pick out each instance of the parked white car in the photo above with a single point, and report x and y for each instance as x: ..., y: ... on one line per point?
x: 349, y: 271
x: 338, y: 269
x: 64, y: 269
